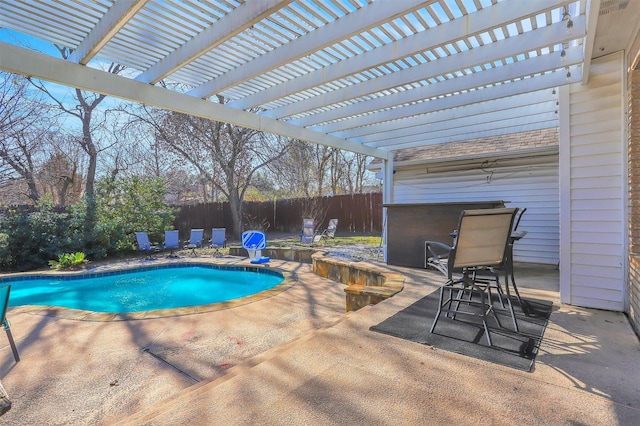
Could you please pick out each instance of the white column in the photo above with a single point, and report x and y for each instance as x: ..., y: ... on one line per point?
x: 564, y: 142
x: 387, y: 197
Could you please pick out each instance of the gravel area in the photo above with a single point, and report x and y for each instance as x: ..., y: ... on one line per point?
x: 355, y: 252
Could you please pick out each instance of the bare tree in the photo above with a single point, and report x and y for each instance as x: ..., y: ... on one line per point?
x: 323, y: 156
x: 306, y: 167
x: 84, y: 110
x: 23, y: 122
x: 225, y: 156
x: 294, y: 171
x: 304, y: 170
x: 60, y: 175
x: 354, y: 176
x: 337, y: 171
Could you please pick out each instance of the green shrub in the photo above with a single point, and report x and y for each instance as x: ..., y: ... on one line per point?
x: 127, y: 205
x: 29, y: 237
x: 5, y: 251
x: 68, y: 261
x: 34, y: 237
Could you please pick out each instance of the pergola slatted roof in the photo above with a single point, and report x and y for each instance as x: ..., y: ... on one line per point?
x: 364, y: 75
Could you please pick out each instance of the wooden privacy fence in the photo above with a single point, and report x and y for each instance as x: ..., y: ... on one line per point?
x: 359, y: 213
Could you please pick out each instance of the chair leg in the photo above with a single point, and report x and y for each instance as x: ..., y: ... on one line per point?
x: 14, y: 349
x: 513, y: 314
x: 515, y: 288
x: 456, y: 296
x: 435, y: 320
x: 483, y: 303
x: 500, y: 291
x: 487, y: 281
x: 501, y: 294
x: 464, y: 283
x: 509, y: 270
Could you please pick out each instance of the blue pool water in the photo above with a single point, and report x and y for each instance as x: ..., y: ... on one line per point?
x: 144, y: 289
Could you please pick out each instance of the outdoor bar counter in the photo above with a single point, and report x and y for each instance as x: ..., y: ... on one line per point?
x: 410, y: 225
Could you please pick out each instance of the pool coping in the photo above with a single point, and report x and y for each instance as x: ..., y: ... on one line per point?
x: 290, y: 279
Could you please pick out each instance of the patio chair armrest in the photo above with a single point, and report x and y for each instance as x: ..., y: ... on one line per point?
x: 437, y: 249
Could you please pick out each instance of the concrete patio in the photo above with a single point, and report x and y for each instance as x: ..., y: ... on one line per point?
x: 297, y: 358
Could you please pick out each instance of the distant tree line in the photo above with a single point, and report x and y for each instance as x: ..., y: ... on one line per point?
x: 57, y: 144
x: 96, y: 169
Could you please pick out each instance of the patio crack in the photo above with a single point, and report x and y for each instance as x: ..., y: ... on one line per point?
x: 164, y: 361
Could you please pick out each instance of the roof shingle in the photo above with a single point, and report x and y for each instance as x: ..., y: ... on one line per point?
x: 501, y: 144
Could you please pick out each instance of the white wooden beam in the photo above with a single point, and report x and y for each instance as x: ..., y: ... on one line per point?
x: 564, y: 143
x: 109, y: 25
x: 592, y: 13
x: 476, y: 23
x: 500, y: 127
x: 546, y: 81
x: 510, y: 47
x: 37, y: 65
x: 340, y: 29
x: 450, y: 89
x: 472, y: 123
x: 238, y: 20
x: 382, y: 130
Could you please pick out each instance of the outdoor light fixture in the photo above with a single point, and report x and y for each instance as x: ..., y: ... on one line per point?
x: 563, y: 55
x: 567, y: 17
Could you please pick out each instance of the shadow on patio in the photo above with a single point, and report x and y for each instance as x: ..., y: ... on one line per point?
x: 297, y: 358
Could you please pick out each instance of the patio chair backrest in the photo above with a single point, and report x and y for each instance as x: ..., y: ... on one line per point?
x: 143, y: 241
x: 171, y: 239
x: 482, y: 239
x: 5, y: 290
x: 218, y: 237
x: 331, y: 229
x: 518, y: 218
x: 308, y: 230
x: 196, y: 237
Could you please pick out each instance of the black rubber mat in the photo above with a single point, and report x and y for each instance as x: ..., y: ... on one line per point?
x: 465, y: 334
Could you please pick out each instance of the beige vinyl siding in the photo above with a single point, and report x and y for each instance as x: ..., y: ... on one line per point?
x: 532, y: 186
x: 594, y: 263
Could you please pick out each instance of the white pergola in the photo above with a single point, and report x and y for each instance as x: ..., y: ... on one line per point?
x: 362, y: 75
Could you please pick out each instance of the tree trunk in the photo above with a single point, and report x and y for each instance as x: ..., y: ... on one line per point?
x: 235, y: 206
x: 33, y: 190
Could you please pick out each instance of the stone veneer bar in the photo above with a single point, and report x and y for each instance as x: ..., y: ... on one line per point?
x: 367, y: 284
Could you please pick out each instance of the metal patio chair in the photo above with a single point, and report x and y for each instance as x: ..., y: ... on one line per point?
x: 195, y: 240
x: 308, y: 231
x: 145, y: 246
x: 171, y: 241
x: 218, y: 240
x: 330, y: 232
x: 481, y: 242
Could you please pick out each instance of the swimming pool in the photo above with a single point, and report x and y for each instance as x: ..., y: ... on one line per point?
x: 161, y: 287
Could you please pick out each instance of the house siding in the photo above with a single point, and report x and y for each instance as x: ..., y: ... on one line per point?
x: 593, y: 177
x: 534, y: 186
